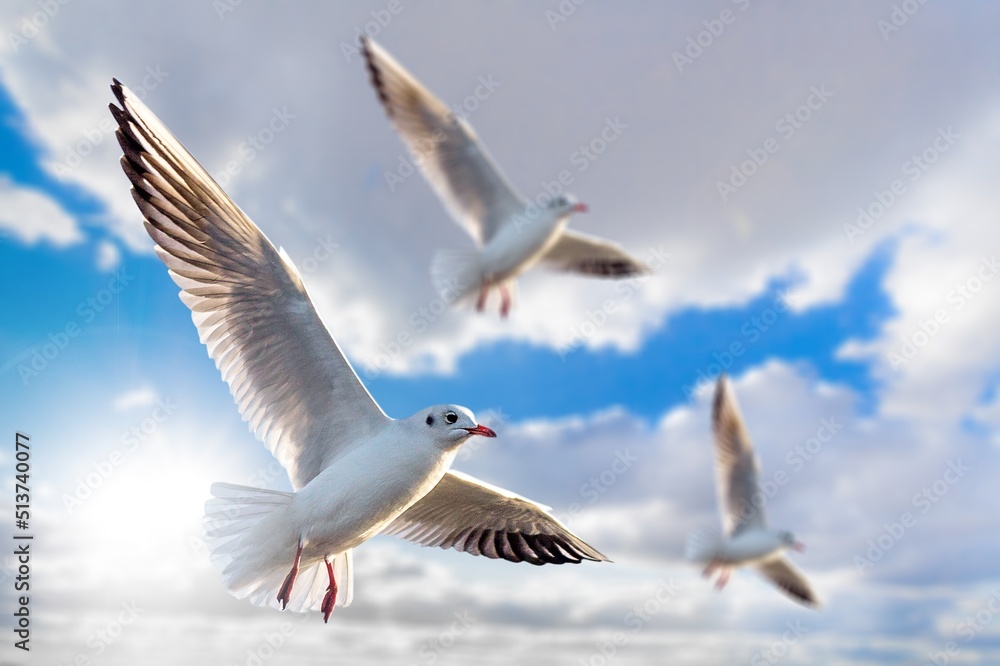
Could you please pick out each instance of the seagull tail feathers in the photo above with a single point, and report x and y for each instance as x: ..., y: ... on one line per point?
x: 702, y: 545
x: 457, y: 274
x: 253, y: 545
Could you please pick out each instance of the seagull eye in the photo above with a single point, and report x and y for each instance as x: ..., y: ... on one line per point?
x: 450, y: 417
x: 430, y: 420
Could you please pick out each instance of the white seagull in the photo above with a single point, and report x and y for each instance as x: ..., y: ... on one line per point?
x: 478, y: 196
x: 356, y: 472
x: 748, y: 540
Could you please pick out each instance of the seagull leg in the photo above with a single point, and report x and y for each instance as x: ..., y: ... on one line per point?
x: 285, y: 593
x: 723, y: 578
x: 710, y: 569
x: 484, y: 290
x: 504, y: 301
x: 330, y: 598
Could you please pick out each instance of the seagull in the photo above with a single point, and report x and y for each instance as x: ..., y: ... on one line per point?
x: 355, y: 471
x: 748, y: 540
x: 509, y: 238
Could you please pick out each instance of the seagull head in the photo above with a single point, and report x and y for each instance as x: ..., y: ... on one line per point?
x: 789, y: 540
x: 450, y: 425
x: 564, y: 204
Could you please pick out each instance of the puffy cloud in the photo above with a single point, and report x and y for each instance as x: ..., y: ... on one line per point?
x: 835, y: 133
x: 32, y: 216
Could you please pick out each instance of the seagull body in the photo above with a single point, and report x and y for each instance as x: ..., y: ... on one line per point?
x: 512, y: 234
x: 355, y: 471
x: 747, y: 541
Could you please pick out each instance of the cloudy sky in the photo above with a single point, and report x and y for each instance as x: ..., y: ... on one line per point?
x: 814, y: 183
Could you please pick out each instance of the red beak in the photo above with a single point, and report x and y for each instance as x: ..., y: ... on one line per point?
x: 580, y: 208
x: 481, y: 430
x: 799, y: 546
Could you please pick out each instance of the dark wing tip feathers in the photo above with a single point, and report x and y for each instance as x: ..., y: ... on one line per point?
x: 537, y: 549
x: 800, y: 594
x: 616, y: 268
x: 119, y: 91
x: 511, y: 545
x: 375, y: 74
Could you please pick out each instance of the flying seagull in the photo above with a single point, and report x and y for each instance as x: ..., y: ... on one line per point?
x: 356, y: 472
x: 748, y: 541
x: 479, y: 197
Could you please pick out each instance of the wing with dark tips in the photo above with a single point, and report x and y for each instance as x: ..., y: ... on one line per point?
x: 477, y: 518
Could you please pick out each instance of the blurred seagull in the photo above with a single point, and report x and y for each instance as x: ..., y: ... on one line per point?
x: 748, y: 540
x: 478, y: 196
x: 356, y: 472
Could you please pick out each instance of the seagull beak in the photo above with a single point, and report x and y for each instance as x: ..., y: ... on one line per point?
x: 580, y: 208
x: 481, y: 430
x: 799, y: 547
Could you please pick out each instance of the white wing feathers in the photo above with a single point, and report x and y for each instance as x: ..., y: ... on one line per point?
x: 735, y: 463
x: 453, y: 160
x: 579, y: 253
x: 286, y: 373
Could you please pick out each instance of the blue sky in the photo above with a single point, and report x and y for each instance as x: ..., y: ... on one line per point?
x: 814, y: 316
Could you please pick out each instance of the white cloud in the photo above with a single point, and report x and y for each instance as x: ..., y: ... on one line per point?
x: 34, y: 217
x: 935, y: 357
x: 135, y: 540
x: 655, y: 187
x: 143, y: 396
x: 108, y: 256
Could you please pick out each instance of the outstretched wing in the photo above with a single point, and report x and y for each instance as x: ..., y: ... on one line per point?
x: 288, y: 376
x: 735, y: 463
x: 790, y: 580
x: 453, y: 160
x: 579, y: 253
x: 474, y: 517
